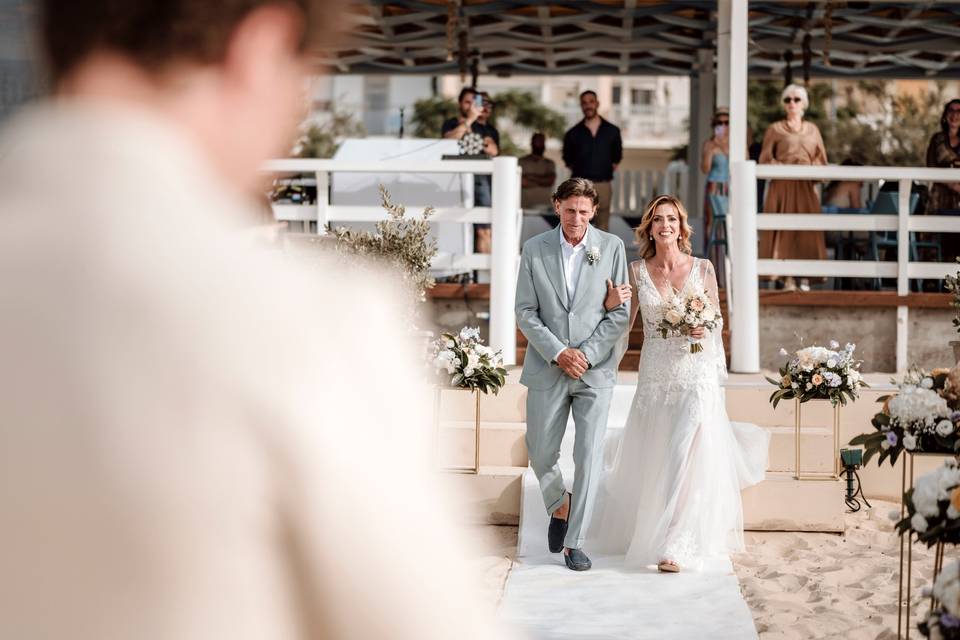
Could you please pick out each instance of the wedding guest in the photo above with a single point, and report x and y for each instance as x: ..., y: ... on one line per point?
x: 474, y: 118
x: 537, y: 178
x: 793, y: 140
x: 593, y: 149
x: 173, y: 465
x: 715, y: 162
x: 944, y: 151
x: 844, y: 194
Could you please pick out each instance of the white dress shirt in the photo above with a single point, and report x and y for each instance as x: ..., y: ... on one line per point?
x: 573, y: 256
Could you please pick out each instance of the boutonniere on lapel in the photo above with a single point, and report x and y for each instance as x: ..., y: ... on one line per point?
x: 593, y: 255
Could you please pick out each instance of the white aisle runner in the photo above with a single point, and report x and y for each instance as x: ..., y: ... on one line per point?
x: 549, y: 601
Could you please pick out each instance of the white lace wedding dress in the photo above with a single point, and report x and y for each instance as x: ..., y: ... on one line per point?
x: 671, y: 488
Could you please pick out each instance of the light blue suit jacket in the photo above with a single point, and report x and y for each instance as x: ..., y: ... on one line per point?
x: 551, y: 322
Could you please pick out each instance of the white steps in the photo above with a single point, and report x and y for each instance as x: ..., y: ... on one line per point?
x: 778, y: 503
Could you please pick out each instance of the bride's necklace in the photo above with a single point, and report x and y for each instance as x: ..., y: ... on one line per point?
x: 662, y: 273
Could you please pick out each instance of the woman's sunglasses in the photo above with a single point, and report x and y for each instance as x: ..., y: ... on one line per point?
x: 789, y: 99
x: 719, y: 122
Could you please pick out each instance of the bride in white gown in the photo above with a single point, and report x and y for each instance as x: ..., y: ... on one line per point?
x: 671, y: 495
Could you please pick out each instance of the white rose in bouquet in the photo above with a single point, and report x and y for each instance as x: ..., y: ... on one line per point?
x: 673, y: 316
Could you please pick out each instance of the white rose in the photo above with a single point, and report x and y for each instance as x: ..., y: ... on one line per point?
x: 690, y: 318
x: 909, y: 442
x: 709, y: 314
x: 783, y: 352
x: 918, y: 523
x: 673, y: 317
x: 944, y: 428
x: 927, y: 383
x: 834, y: 344
x: 831, y: 363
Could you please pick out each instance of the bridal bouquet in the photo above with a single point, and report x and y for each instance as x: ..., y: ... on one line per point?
x: 682, y: 315
x: 468, y: 362
x: 933, y: 506
x: 924, y: 415
x: 819, y: 373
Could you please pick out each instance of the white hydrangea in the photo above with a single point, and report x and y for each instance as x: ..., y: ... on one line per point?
x: 916, y: 404
x: 933, y: 487
x: 927, y: 383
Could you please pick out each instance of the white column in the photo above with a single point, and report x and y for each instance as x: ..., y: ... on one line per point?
x: 723, y: 53
x: 701, y: 112
x: 323, y: 202
x: 745, y: 326
x: 903, y: 280
x: 504, y: 258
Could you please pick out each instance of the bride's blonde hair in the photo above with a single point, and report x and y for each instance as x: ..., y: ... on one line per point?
x: 646, y: 247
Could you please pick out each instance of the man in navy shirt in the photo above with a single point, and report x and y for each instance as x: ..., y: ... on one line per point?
x: 592, y: 149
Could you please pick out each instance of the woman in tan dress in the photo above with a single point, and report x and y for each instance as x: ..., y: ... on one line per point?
x: 793, y: 141
x: 944, y: 151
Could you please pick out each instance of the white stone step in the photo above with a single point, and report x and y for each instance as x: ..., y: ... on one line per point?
x: 502, y: 444
x: 489, y: 497
x: 781, y: 503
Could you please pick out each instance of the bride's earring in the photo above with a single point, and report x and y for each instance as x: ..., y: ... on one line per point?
x: 651, y: 238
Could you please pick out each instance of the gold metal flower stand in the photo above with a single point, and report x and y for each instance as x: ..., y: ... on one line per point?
x: 816, y: 475
x: 906, y: 542
x: 438, y: 394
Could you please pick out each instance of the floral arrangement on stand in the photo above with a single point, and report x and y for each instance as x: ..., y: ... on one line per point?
x: 943, y: 621
x: 819, y: 373
x: 682, y: 315
x: 924, y: 415
x: 467, y: 363
x: 933, y: 506
x: 933, y: 514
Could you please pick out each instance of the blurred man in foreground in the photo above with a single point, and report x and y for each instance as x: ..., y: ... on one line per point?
x: 187, y: 443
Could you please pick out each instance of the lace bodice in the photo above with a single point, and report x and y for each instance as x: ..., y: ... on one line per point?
x: 666, y: 363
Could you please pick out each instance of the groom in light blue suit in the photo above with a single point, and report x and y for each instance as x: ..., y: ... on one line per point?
x: 571, y: 359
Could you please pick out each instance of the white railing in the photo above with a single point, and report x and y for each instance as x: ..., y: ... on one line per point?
x: 634, y: 188
x: 504, y: 216
x: 745, y: 225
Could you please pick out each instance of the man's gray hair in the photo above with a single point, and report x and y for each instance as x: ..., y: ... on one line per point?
x: 576, y: 187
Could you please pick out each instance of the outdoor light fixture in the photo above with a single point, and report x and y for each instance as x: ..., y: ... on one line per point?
x: 852, y: 459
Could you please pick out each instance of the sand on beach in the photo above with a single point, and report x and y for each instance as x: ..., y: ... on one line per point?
x: 797, y: 585
x: 819, y: 585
